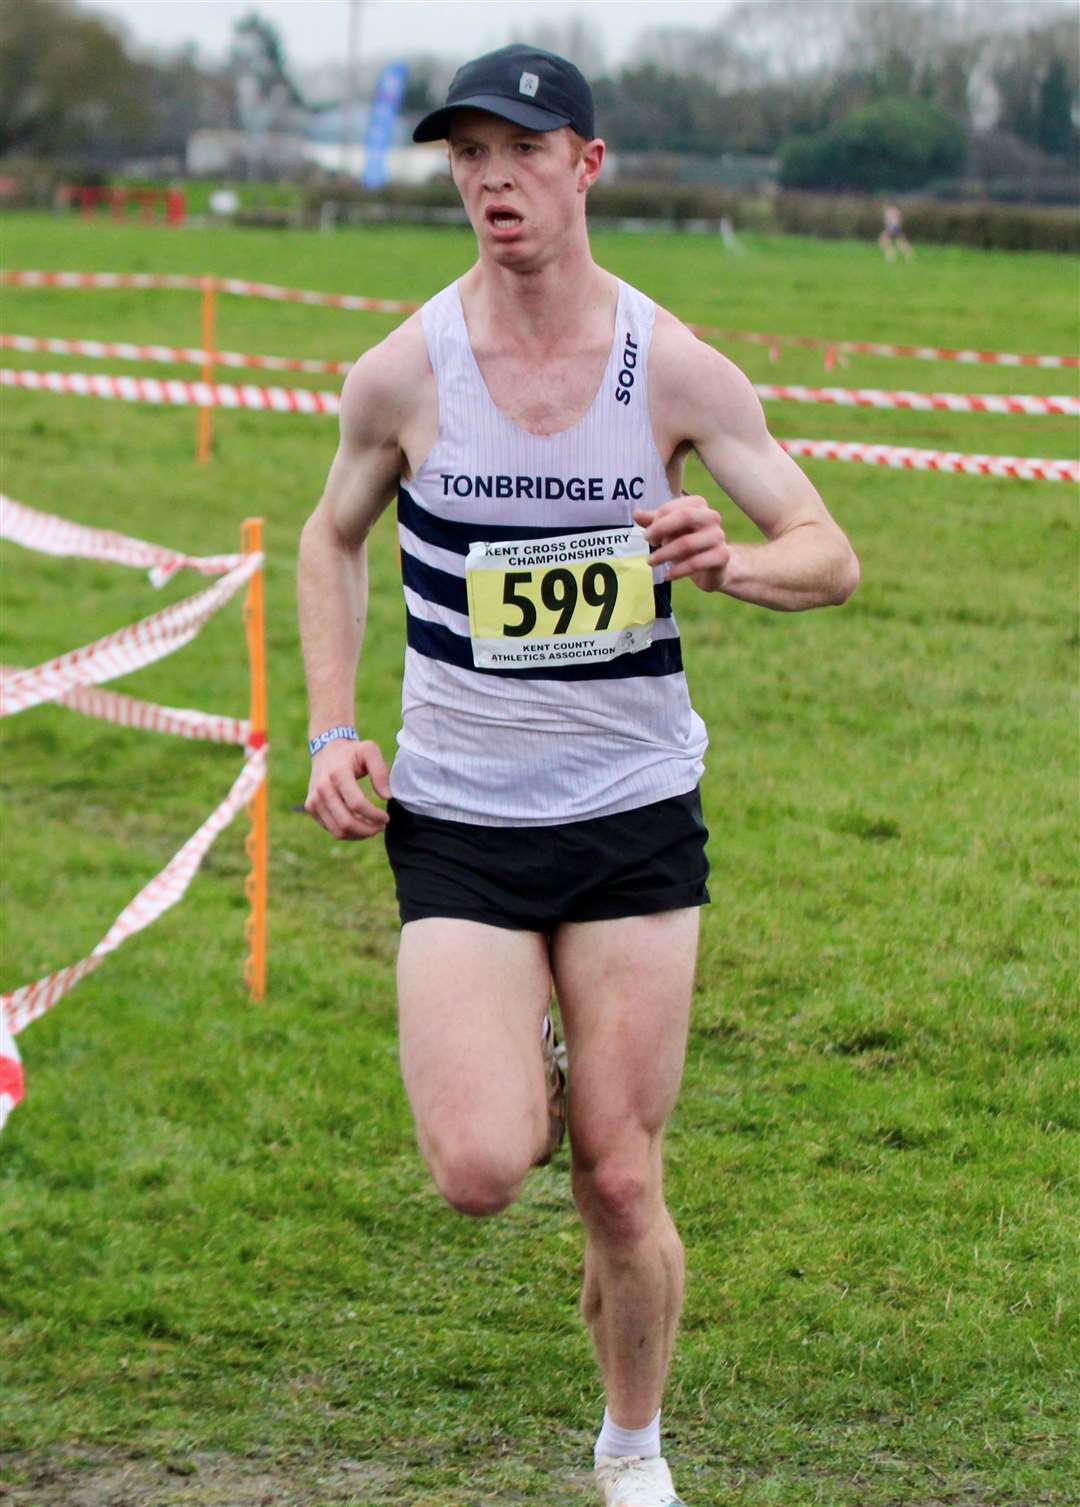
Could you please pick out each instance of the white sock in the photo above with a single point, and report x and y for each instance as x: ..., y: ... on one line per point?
x: 617, y: 1443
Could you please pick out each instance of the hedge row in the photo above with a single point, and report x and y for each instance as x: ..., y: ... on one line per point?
x: 1004, y: 227
x: 980, y: 223
x: 674, y: 203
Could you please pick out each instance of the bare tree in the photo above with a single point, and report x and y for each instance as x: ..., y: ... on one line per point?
x: 715, y: 55
x: 575, y: 38
x: 67, y: 81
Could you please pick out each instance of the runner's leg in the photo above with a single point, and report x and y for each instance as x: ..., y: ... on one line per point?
x: 471, y: 1000
x: 624, y: 991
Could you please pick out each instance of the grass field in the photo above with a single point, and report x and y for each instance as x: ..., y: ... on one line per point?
x: 224, y: 1279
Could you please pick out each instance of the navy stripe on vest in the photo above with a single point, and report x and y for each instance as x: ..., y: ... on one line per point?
x: 450, y: 534
x: 434, y: 585
x: 449, y: 591
x: 439, y: 586
x: 664, y: 657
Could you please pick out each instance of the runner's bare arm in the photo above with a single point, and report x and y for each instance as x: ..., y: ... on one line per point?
x: 700, y: 400
x: 376, y: 407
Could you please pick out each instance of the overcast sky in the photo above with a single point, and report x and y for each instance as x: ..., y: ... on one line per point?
x: 315, y: 31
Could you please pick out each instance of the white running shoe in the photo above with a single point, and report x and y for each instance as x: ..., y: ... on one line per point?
x: 555, y: 1076
x: 632, y: 1482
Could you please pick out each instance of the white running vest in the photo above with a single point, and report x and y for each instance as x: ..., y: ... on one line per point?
x: 528, y: 698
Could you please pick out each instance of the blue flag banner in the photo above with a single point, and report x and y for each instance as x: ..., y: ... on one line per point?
x: 389, y: 92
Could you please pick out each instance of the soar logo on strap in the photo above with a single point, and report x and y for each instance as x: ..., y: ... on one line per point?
x: 626, y: 375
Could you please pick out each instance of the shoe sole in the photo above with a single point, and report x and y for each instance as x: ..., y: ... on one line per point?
x: 556, y: 1100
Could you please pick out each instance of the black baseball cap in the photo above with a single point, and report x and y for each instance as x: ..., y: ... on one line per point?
x: 533, y: 88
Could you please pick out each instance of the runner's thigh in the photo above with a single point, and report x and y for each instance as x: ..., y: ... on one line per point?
x: 471, y: 999
x: 624, y: 989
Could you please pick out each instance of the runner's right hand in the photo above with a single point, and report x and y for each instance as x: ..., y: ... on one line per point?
x: 335, y: 798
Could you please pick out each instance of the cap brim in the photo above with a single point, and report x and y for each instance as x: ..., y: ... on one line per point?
x: 436, y: 126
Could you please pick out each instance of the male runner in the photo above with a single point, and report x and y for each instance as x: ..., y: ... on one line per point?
x: 892, y: 237
x: 543, y: 822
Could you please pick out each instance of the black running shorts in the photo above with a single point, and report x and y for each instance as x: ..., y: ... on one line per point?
x: 634, y: 863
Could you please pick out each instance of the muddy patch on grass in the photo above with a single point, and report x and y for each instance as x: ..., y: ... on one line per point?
x: 102, y: 1478
x: 74, y: 1477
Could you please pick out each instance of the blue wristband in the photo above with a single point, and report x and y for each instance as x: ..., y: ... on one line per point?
x: 331, y: 733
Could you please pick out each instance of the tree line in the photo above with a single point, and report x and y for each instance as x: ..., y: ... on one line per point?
x: 72, y: 87
x: 878, y: 94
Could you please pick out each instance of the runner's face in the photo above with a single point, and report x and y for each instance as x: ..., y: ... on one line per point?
x: 523, y: 190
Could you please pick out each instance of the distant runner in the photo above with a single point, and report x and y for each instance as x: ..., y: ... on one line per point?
x: 892, y: 237
x: 543, y: 820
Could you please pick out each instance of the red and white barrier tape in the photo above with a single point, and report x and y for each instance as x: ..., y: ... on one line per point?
x: 24, y: 279
x: 875, y: 348
x: 123, y: 351
x: 948, y: 353
x: 150, y: 390
x: 951, y: 402
x: 273, y: 397
x: 12, y: 1082
x: 25, y: 1004
x: 1018, y: 467
x: 29, y: 279
x: 865, y: 397
x: 128, y: 649
x: 306, y: 296
x: 51, y: 535
x: 148, y: 716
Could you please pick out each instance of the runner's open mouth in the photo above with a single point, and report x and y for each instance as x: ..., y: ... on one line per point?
x: 503, y: 219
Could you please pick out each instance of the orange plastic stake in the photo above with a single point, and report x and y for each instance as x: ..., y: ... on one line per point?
x: 258, y: 839
x: 206, y: 413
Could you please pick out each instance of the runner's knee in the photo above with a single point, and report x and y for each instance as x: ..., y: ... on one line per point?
x: 618, y: 1199
x: 475, y: 1180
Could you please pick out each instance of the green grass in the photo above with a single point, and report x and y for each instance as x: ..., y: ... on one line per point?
x: 224, y: 1278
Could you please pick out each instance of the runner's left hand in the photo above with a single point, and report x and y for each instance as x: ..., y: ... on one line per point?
x: 687, y: 537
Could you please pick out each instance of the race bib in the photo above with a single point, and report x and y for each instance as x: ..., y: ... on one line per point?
x: 572, y: 599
